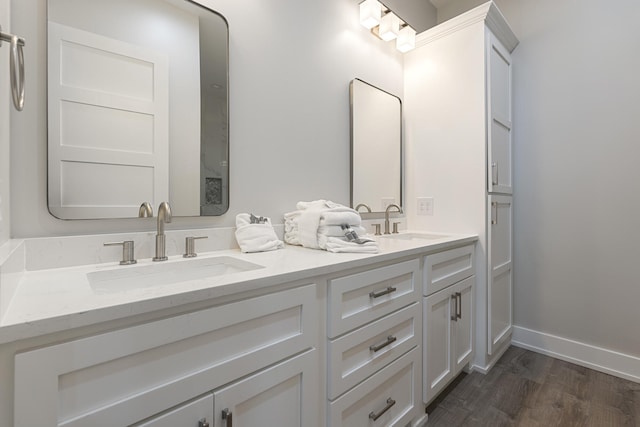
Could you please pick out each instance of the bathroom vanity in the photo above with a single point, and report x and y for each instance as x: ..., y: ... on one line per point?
x: 290, y: 337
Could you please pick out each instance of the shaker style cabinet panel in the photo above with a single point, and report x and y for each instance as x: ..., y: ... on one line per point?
x: 363, y: 297
x: 125, y: 376
x: 500, y: 292
x: 389, y: 398
x: 498, y: 117
x: 284, y: 395
x: 448, y: 335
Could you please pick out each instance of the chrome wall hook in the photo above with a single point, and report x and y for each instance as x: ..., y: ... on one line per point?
x: 16, y: 67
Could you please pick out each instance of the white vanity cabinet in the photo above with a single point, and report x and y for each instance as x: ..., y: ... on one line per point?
x: 459, y: 142
x: 448, y: 317
x: 374, y: 346
x: 257, y: 356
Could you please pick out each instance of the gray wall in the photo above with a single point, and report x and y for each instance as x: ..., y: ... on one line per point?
x: 577, y: 200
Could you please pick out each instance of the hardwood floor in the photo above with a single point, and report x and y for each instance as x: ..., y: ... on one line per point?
x: 529, y: 389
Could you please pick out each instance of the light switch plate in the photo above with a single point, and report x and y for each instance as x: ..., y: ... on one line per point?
x: 425, y: 206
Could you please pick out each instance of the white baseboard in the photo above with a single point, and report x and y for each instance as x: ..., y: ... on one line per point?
x: 494, y: 359
x: 597, y: 358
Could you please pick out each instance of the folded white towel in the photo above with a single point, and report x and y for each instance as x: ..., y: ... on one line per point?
x: 317, y: 225
x: 256, y: 237
x: 336, y: 244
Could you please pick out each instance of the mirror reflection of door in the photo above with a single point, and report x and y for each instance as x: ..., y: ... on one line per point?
x: 137, y: 108
x: 376, y: 147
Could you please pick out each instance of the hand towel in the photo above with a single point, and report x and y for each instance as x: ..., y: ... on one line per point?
x: 256, y: 237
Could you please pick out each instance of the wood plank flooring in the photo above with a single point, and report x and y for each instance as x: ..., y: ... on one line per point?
x: 529, y: 389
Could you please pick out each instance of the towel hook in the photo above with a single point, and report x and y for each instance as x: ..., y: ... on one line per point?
x: 16, y: 67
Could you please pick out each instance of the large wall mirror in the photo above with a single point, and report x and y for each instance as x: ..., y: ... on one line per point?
x: 137, y: 108
x: 376, y: 147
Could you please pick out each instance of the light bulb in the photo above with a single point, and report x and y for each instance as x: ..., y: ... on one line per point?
x: 389, y: 27
x: 406, y: 39
x: 370, y: 13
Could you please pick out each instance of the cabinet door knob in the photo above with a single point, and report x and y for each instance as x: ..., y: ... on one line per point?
x: 373, y: 416
x: 227, y: 415
x: 203, y: 423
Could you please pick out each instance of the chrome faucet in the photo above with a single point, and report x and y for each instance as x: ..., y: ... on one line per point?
x: 363, y: 205
x: 386, y: 216
x: 164, y: 216
x: 145, y: 211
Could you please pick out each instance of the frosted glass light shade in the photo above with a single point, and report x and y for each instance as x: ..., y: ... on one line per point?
x: 406, y: 39
x: 389, y: 27
x: 370, y: 13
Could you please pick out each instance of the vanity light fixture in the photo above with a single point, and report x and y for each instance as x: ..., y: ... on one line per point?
x: 386, y: 25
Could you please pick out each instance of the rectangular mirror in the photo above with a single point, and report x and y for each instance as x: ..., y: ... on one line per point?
x: 376, y: 147
x: 137, y: 108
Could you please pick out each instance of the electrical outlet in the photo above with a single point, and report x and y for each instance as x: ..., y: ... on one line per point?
x: 425, y: 206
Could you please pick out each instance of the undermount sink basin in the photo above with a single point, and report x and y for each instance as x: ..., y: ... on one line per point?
x: 414, y: 236
x: 166, y: 273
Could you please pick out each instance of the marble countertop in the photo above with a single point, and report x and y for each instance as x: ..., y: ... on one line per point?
x: 56, y: 299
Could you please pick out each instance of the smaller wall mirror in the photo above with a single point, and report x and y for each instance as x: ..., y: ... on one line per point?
x: 376, y: 147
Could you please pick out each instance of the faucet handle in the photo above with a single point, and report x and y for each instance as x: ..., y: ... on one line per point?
x: 395, y: 227
x: 190, y: 246
x: 128, y: 257
x: 377, y: 227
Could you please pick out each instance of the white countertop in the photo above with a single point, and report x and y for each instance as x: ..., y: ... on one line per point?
x: 52, y: 300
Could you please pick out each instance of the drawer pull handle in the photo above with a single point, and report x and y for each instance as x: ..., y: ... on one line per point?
x: 390, y: 402
x: 228, y: 416
x: 203, y: 423
x: 374, y: 294
x: 379, y: 347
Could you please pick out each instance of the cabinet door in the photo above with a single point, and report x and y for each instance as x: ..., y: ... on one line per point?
x: 500, y: 272
x: 498, y: 117
x: 438, y: 313
x: 284, y: 395
x: 463, y: 324
x: 198, y: 413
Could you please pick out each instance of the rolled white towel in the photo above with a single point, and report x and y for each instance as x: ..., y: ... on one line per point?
x: 256, y: 237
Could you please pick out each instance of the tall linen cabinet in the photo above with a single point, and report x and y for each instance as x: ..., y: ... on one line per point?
x: 458, y: 130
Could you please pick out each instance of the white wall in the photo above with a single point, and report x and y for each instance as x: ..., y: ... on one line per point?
x: 577, y: 145
x: 5, y: 104
x: 290, y: 67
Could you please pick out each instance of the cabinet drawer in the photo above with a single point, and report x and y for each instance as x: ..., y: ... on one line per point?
x: 394, y: 387
x: 445, y: 268
x: 361, y: 353
x: 124, y: 376
x: 363, y: 297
